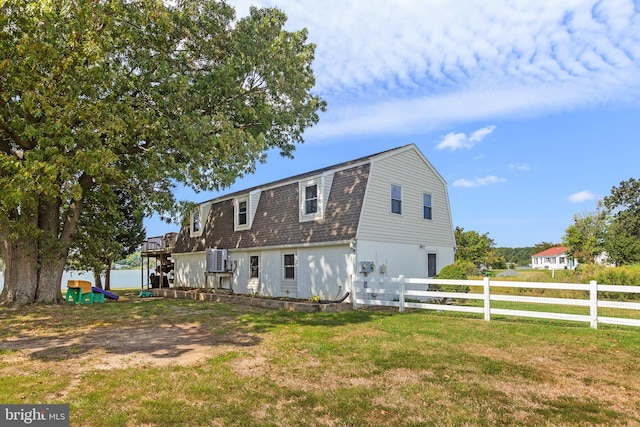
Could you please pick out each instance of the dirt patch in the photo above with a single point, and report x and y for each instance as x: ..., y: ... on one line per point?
x: 180, y: 344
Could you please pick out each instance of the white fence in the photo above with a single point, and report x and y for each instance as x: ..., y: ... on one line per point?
x: 394, y: 292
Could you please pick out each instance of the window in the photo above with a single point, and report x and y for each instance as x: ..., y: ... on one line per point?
x: 396, y: 199
x: 426, y: 205
x: 562, y: 260
x: 242, y: 212
x: 254, y: 267
x: 289, y: 266
x: 195, y: 222
x: 311, y: 199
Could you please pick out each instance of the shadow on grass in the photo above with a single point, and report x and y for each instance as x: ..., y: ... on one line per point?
x: 157, y: 328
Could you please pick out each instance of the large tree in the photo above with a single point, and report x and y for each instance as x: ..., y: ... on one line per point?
x: 104, y: 236
x: 622, y: 240
x: 133, y: 95
x: 477, y: 248
x: 584, y: 238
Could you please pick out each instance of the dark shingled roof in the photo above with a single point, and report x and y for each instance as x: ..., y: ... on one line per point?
x: 276, y: 220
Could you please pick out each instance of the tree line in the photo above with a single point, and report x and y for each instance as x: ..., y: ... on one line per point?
x: 610, y: 233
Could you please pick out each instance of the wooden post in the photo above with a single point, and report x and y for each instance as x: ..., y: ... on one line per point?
x: 593, y: 299
x: 401, y: 288
x: 487, y: 298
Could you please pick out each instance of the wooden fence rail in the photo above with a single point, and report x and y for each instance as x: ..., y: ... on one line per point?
x: 395, y: 292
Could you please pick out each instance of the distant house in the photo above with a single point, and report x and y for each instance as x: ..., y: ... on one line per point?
x: 385, y: 214
x: 553, y: 259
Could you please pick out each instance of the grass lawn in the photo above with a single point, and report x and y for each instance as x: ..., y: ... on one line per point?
x: 161, y: 362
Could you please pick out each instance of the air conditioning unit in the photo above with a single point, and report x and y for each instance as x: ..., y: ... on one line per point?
x: 216, y: 261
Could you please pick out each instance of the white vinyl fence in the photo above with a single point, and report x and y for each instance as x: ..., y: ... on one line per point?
x: 394, y: 292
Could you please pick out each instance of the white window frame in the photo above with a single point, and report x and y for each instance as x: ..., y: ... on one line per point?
x: 195, y: 222
x: 424, y: 206
x: 236, y: 214
x: 199, y: 215
x: 302, y: 197
x: 258, y: 267
x: 285, y: 266
x: 309, y: 201
x: 392, y: 199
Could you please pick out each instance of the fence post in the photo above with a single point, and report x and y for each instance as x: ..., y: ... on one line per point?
x: 401, y: 297
x: 593, y: 299
x: 487, y: 298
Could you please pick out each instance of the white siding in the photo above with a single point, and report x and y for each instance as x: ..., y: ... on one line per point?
x: 409, y: 260
x: 189, y: 269
x: 409, y: 170
x: 325, y: 272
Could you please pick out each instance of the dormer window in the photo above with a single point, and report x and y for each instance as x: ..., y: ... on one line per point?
x: 242, y: 212
x: 195, y: 222
x: 244, y: 209
x: 312, y: 197
x: 198, y: 220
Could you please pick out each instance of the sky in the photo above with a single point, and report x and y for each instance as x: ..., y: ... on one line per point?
x: 530, y: 110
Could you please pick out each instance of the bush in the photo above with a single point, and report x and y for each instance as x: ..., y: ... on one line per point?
x: 627, y: 275
x: 455, y: 271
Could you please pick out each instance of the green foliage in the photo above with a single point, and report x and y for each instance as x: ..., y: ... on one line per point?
x: 107, y: 235
x: 98, y: 97
x: 456, y: 271
x: 517, y: 256
x: 628, y: 275
x: 477, y: 248
x: 622, y: 240
x: 584, y: 239
x: 543, y: 246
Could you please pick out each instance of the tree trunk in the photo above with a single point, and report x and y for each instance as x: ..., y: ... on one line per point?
x: 50, y: 281
x: 97, y: 275
x: 107, y: 277
x: 21, y: 273
x: 34, y: 258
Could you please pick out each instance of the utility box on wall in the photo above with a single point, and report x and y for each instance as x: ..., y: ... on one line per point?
x: 367, y: 266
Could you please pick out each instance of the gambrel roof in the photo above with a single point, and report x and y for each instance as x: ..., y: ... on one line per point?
x: 275, y: 219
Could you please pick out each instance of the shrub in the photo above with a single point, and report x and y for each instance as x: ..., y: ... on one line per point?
x: 455, y: 271
x: 627, y: 275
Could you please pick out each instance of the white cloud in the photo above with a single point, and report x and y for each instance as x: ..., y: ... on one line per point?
x: 453, y: 140
x: 521, y: 167
x: 413, y: 65
x: 582, y: 196
x: 478, y: 182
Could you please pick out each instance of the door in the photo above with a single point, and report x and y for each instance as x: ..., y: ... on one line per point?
x: 431, y: 265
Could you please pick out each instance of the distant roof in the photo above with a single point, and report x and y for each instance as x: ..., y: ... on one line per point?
x: 555, y: 251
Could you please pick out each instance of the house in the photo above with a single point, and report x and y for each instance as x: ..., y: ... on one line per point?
x: 553, y: 259
x: 305, y: 236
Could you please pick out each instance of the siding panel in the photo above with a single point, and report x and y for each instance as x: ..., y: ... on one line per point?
x: 409, y: 170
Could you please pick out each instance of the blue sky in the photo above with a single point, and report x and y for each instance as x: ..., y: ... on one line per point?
x: 530, y: 110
